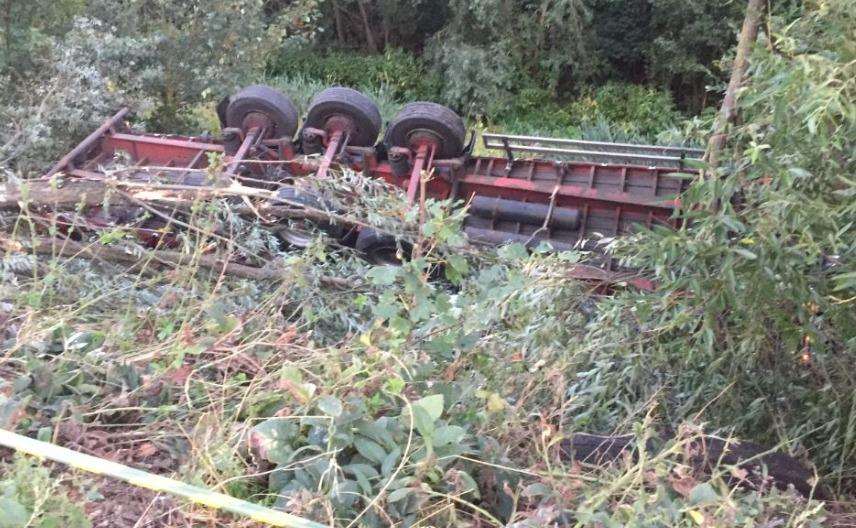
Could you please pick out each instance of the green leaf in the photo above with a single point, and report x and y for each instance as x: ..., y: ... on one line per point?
x: 370, y: 449
x: 345, y: 493
x: 746, y: 253
x: 291, y: 373
x: 394, y: 385
x: 423, y: 422
x: 448, y: 434
x: 13, y: 514
x: 844, y: 281
x: 469, y: 483
x: 702, y: 494
x: 84, y: 341
x: 273, y: 438
x: 330, y: 405
x: 399, y: 494
x: 433, y: 405
x: 362, y: 472
x: 376, y: 432
x: 389, y: 462
x: 383, y: 275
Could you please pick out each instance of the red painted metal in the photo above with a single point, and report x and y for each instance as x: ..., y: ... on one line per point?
x: 609, y: 199
x: 333, y: 144
x: 87, y: 143
x: 249, y: 139
x: 419, y: 164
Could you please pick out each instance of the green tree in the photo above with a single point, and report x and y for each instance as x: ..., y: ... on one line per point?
x: 26, y: 29
x: 688, y: 40
x: 195, y: 50
x: 754, y: 319
x: 492, y: 48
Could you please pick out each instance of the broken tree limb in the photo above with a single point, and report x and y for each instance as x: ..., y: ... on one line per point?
x: 73, y: 194
x: 706, y: 454
x: 132, y: 256
x: 84, y: 193
x: 728, y: 111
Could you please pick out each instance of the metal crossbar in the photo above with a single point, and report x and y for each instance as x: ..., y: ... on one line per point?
x: 595, y: 149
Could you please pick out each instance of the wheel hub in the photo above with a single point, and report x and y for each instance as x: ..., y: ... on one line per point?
x: 258, y: 120
x: 339, y: 123
x: 423, y: 136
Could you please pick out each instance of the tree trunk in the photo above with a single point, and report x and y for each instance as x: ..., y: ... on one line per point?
x: 7, y: 26
x: 370, y: 39
x: 340, y: 30
x: 728, y: 111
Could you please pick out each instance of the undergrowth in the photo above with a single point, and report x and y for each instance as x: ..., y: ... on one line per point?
x: 438, y: 392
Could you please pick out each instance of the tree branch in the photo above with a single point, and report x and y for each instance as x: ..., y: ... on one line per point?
x: 728, y: 112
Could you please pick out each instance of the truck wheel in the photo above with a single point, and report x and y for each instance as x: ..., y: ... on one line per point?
x: 379, y: 248
x: 346, y: 110
x: 264, y: 107
x: 422, y: 122
x: 300, y: 233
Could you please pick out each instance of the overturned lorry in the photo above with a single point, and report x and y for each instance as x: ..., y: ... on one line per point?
x: 567, y: 193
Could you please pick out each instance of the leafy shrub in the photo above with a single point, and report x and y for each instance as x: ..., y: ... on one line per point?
x: 754, y: 321
x: 29, y: 496
x: 76, y: 85
x: 409, y: 454
x: 301, y: 89
x: 402, y: 74
x: 632, y: 108
x: 613, y: 112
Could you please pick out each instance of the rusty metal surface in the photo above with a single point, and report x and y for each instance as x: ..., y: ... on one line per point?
x: 568, y: 203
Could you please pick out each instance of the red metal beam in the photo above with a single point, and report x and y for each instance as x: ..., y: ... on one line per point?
x: 575, y: 191
x: 249, y: 139
x: 87, y: 143
x: 419, y: 163
x: 333, y: 145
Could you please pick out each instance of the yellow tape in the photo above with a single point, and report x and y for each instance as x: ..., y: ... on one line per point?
x: 153, y: 482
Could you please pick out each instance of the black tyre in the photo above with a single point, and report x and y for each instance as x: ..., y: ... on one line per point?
x: 422, y: 121
x: 358, y: 113
x: 263, y: 106
x: 380, y: 248
x: 300, y: 233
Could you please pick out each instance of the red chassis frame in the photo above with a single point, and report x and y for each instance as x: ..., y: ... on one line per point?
x: 607, y: 199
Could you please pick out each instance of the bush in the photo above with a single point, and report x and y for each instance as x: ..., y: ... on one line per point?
x: 632, y: 108
x: 404, y: 75
x: 76, y: 84
x: 613, y: 112
x: 753, y: 322
x: 30, y: 496
x: 301, y: 89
